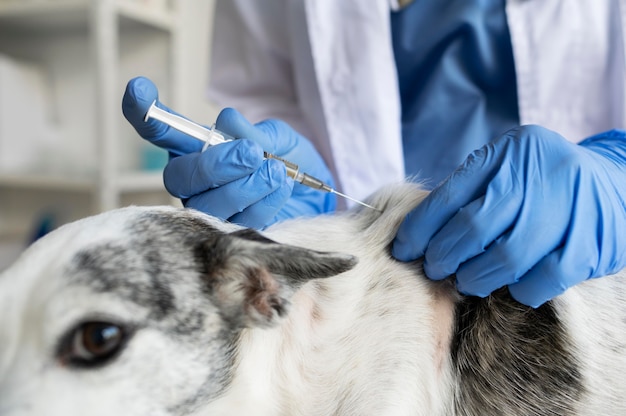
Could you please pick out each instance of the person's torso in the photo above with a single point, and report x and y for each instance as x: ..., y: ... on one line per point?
x: 456, y: 79
x: 343, y: 83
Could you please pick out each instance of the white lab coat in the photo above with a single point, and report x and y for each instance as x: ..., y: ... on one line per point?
x: 327, y: 67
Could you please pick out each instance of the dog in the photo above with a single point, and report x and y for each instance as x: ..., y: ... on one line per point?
x: 167, y: 311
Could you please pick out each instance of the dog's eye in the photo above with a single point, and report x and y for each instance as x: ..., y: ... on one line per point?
x: 92, y: 343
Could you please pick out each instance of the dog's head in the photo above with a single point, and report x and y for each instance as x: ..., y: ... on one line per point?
x: 137, y: 311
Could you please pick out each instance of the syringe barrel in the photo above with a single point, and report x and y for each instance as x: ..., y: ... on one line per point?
x: 293, y: 171
x: 313, y: 182
x: 213, y: 136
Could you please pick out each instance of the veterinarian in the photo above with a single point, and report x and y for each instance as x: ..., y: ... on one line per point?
x: 386, y: 90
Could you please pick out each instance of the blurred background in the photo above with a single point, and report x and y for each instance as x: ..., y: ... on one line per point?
x: 66, y: 150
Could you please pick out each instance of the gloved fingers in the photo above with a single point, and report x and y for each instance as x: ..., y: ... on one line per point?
x: 512, y: 254
x: 465, y: 184
x: 610, y: 144
x: 285, y: 138
x: 195, y: 173
x: 549, y: 278
x: 139, y: 95
x: 470, y: 232
x: 274, y: 136
x: 234, y: 197
x: 485, y: 273
x: 232, y: 122
x: 311, y: 201
x: 307, y: 203
x: 278, y: 138
x: 587, y: 251
x: 264, y: 212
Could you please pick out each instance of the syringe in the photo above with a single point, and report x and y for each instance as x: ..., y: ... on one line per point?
x: 212, y: 137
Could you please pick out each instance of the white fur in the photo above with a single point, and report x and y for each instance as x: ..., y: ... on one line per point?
x: 374, y: 340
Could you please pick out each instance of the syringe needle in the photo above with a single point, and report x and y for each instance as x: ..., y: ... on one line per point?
x: 355, y: 200
x: 312, y: 182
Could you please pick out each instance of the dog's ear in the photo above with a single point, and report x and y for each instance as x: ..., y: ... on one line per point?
x: 251, y: 278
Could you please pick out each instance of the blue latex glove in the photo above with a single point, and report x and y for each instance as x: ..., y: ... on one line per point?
x: 232, y: 180
x: 530, y: 210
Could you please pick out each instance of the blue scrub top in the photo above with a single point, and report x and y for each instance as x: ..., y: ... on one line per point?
x: 457, y: 81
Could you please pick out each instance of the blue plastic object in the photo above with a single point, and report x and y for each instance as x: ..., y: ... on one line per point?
x: 232, y: 180
x: 530, y: 211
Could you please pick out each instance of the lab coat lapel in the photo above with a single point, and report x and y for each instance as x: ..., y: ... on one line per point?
x: 355, y: 73
x: 564, y: 52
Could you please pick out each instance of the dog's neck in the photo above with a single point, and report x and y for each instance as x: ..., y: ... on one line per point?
x: 309, y: 363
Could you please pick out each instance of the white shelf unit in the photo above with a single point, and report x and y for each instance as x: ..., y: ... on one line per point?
x: 89, y: 49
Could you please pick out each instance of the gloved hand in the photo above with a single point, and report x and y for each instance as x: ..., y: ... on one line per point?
x: 232, y: 180
x: 530, y: 210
